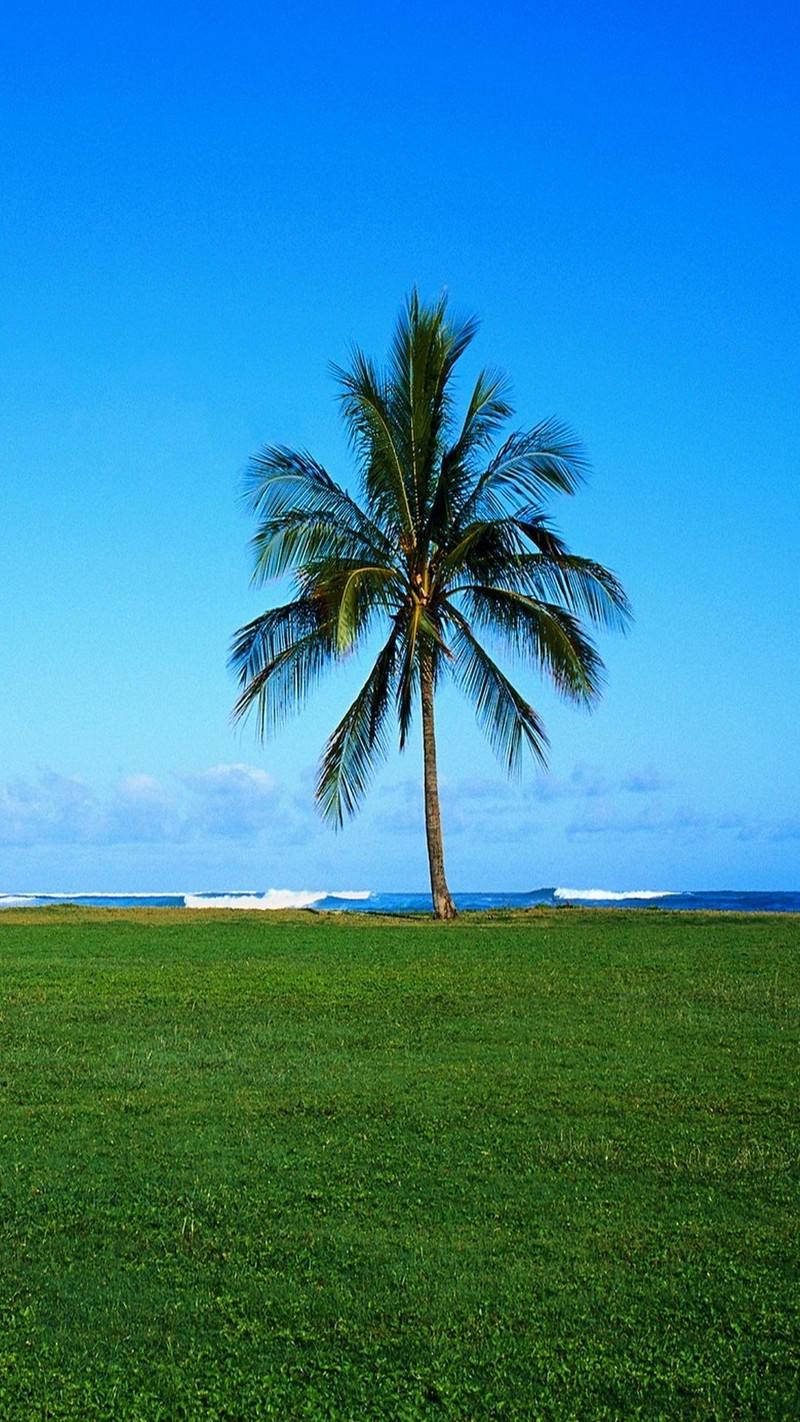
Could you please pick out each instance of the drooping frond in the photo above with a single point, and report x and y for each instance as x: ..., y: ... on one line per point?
x: 508, y: 721
x: 359, y: 743
x: 497, y: 552
x: 408, y: 680
x: 579, y: 584
x: 544, y: 635
x: 279, y: 658
x: 420, y: 637
x: 364, y: 591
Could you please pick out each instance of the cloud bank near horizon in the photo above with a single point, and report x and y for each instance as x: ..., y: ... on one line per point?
x: 222, y: 802
x: 241, y: 803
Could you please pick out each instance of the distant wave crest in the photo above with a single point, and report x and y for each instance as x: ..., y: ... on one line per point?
x: 610, y: 895
x: 272, y: 899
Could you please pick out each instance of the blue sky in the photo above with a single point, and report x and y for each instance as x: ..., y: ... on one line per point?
x: 201, y: 209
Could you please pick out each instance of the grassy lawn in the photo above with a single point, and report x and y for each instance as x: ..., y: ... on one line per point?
x: 537, y: 1166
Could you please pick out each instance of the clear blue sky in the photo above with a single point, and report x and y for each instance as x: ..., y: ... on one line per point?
x: 204, y: 206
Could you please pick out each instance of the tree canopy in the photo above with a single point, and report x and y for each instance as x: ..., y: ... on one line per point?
x: 444, y: 551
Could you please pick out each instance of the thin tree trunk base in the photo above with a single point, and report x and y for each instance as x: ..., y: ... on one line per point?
x: 443, y: 906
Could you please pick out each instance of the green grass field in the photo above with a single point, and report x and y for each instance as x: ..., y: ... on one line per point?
x: 538, y: 1166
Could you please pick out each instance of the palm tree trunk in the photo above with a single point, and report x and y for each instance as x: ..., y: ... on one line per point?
x: 443, y: 906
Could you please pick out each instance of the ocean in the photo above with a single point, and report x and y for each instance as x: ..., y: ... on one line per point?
x: 363, y: 901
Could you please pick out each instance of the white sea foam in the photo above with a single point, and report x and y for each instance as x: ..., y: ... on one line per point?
x: 610, y: 895
x: 272, y: 899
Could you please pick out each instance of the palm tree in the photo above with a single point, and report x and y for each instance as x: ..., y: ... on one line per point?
x: 446, y: 544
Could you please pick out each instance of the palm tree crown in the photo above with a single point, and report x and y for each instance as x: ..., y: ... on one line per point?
x: 446, y: 545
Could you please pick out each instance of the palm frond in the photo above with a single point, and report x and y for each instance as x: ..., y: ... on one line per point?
x: 297, y: 539
x: 420, y: 637
x: 424, y: 324
x: 578, y: 584
x: 277, y: 478
x: 279, y: 657
x: 497, y: 552
x: 426, y: 346
x: 304, y: 514
x: 487, y: 412
x: 360, y: 741
x: 365, y: 401
x: 508, y: 721
x: 408, y: 677
x: 528, y: 466
x: 364, y: 591
x: 544, y: 635
x: 485, y: 550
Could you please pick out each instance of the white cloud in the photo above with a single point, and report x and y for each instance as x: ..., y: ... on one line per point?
x: 227, y: 801
x: 646, y: 781
x: 683, y: 822
x: 244, y: 805
x: 233, y: 801
x: 142, y: 810
x: 588, y: 780
x: 544, y: 789
x: 56, y: 809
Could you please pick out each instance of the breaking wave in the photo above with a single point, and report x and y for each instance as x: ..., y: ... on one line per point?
x: 609, y: 896
x: 273, y: 899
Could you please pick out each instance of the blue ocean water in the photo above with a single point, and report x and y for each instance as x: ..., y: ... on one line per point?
x: 362, y: 901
